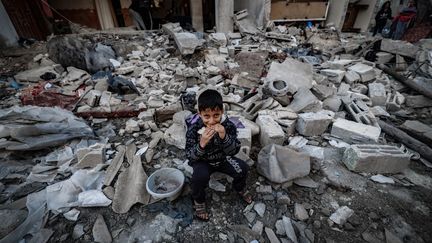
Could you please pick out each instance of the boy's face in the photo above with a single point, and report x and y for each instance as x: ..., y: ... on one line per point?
x: 211, y: 117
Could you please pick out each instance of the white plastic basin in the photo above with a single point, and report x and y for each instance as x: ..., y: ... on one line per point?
x: 165, y: 182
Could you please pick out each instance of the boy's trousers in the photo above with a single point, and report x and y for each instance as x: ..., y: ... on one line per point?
x: 202, y: 170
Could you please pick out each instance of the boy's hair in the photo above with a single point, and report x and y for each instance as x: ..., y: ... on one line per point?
x: 210, y: 99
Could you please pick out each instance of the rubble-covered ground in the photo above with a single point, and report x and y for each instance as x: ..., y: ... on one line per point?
x: 313, y: 109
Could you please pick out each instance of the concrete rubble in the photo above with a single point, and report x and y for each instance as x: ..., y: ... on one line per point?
x: 307, y: 104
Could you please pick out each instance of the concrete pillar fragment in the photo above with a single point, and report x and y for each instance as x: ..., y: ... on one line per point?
x: 197, y: 15
x: 224, y: 14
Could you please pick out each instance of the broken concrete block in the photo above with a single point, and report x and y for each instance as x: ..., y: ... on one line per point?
x: 383, y: 57
x: 378, y: 111
x: 305, y: 101
x: 401, y: 64
x: 377, y: 94
x: 33, y: 75
x: 332, y: 103
x: 394, y: 101
x: 296, y: 74
x: 172, y: 28
x: 271, y: 131
x: 91, y: 156
x: 399, y: 47
x: 341, y: 215
x: 353, y: 132
x: 324, y: 91
x: 333, y: 75
x: 339, y: 64
x: 132, y: 126
x: 218, y: 38
x: 147, y: 115
x: 418, y: 101
x: 187, y: 42
x: 366, y: 72
x: 314, y: 124
x: 373, y: 158
x: 92, y: 98
x: 420, y: 130
x: 351, y: 77
x: 281, y: 164
x: 176, y: 135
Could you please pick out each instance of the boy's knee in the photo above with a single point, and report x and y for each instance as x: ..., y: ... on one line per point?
x: 200, y: 174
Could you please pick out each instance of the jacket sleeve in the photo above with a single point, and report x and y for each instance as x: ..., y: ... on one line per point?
x: 230, y: 144
x: 193, y: 150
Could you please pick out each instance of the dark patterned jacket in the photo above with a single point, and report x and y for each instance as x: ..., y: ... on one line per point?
x: 217, y: 149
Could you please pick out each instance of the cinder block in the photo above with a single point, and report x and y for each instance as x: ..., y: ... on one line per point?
x: 354, y: 132
x: 373, y: 158
x: 394, y: 101
x: 351, y: 77
x: 271, y: 131
x: 377, y: 94
x: 360, y: 112
x: 314, y: 124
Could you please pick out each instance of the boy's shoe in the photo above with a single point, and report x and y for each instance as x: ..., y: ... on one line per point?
x: 200, y: 211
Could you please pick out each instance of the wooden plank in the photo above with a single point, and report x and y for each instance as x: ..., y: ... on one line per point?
x: 281, y: 10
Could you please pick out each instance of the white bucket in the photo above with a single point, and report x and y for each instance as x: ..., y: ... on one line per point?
x: 165, y: 182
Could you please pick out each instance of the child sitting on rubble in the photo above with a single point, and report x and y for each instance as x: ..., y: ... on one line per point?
x: 211, y: 143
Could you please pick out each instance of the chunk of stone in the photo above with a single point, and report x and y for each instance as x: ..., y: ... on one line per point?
x: 289, y: 229
x: 271, y: 131
x: 100, y: 231
x: 354, y: 132
x: 281, y: 164
x: 375, y: 158
x: 323, y: 91
x: 271, y: 235
x: 333, y: 75
x: 341, y: 215
x: 296, y: 74
x: 332, y: 103
x: 91, y: 156
x: 305, y: 100
x: 218, y: 38
x: 377, y: 94
x: 176, y: 135
x: 383, y: 57
x: 399, y: 47
x: 300, y: 212
x: 314, y: 124
x: 258, y: 227
x: 187, y: 42
x: 260, y: 208
x: 366, y: 72
x: 78, y: 231
x: 280, y: 230
x: 132, y: 126
x: 351, y: 77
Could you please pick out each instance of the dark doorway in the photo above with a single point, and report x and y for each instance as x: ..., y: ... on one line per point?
x: 118, y: 12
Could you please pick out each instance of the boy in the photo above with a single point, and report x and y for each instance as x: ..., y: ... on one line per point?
x: 213, y: 150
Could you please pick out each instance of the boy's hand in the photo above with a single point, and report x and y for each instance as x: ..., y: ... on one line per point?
x: 220, y: 130
x: 206, y: 136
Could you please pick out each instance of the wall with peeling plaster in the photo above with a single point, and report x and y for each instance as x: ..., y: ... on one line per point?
x: 364, y: 17
x: 336, y: 12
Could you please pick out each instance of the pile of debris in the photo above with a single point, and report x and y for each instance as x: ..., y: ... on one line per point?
x: 309, y: 108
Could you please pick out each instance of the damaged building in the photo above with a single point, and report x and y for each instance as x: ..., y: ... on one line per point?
x: 334, y: 122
